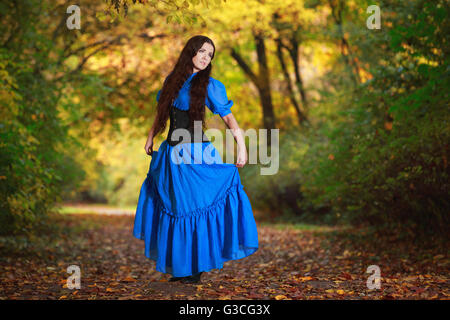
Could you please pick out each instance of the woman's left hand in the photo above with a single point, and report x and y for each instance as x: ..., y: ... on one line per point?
x: 241, y: 158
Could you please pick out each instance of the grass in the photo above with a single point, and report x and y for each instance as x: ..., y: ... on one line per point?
x: 298, y: 226
x: 93, y: 209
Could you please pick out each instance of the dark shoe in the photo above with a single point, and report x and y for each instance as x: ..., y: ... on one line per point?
x: 192, y: 279
x: 173, y: 279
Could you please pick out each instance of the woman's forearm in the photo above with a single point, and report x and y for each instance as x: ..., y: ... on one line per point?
x: 151, y: 132
x: 235, y: 130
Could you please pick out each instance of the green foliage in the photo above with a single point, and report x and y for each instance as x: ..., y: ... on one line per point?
x: 375, y: 153
x: 392, y: 150
x: 382, y: 159
x: 36, y: 163
x: 27, y: 187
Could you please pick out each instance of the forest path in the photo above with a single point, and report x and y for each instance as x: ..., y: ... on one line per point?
x: 303, y: 263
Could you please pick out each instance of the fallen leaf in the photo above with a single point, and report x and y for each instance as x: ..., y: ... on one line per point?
x: 129, y: 279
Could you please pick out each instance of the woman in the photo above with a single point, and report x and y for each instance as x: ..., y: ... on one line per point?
x: 193, y: 216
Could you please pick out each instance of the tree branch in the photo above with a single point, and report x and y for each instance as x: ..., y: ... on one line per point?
x: 244, y: 65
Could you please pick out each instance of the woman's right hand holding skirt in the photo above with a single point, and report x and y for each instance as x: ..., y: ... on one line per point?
x: 149, y: 146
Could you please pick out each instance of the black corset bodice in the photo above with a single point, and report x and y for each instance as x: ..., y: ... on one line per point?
x: 180, y: 119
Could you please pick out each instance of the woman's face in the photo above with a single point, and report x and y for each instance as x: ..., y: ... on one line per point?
x: 203, y: 57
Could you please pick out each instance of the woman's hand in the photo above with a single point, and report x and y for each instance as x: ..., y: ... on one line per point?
x: 242, y: 157
x: 149, y: 146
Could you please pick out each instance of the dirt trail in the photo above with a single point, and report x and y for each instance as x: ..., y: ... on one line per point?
x: 289, y: 264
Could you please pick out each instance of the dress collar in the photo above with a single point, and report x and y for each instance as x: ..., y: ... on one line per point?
x: 191, y: 76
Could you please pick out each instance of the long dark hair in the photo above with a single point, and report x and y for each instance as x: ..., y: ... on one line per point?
x: 181, y: 72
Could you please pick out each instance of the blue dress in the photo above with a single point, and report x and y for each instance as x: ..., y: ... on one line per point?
x: 194, y: 217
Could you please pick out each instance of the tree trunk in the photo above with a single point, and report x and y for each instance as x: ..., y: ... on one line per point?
x: 261, y: 81
x: 301, y: 117
x: 336, y: 12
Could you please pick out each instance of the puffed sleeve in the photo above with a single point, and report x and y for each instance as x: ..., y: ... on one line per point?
x: 217, y: 100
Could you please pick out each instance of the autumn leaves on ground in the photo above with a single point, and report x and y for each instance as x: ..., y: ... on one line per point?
x: 303, y: 262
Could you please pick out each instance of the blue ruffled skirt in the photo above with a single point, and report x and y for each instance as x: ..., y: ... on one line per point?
x: 193, y: 216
